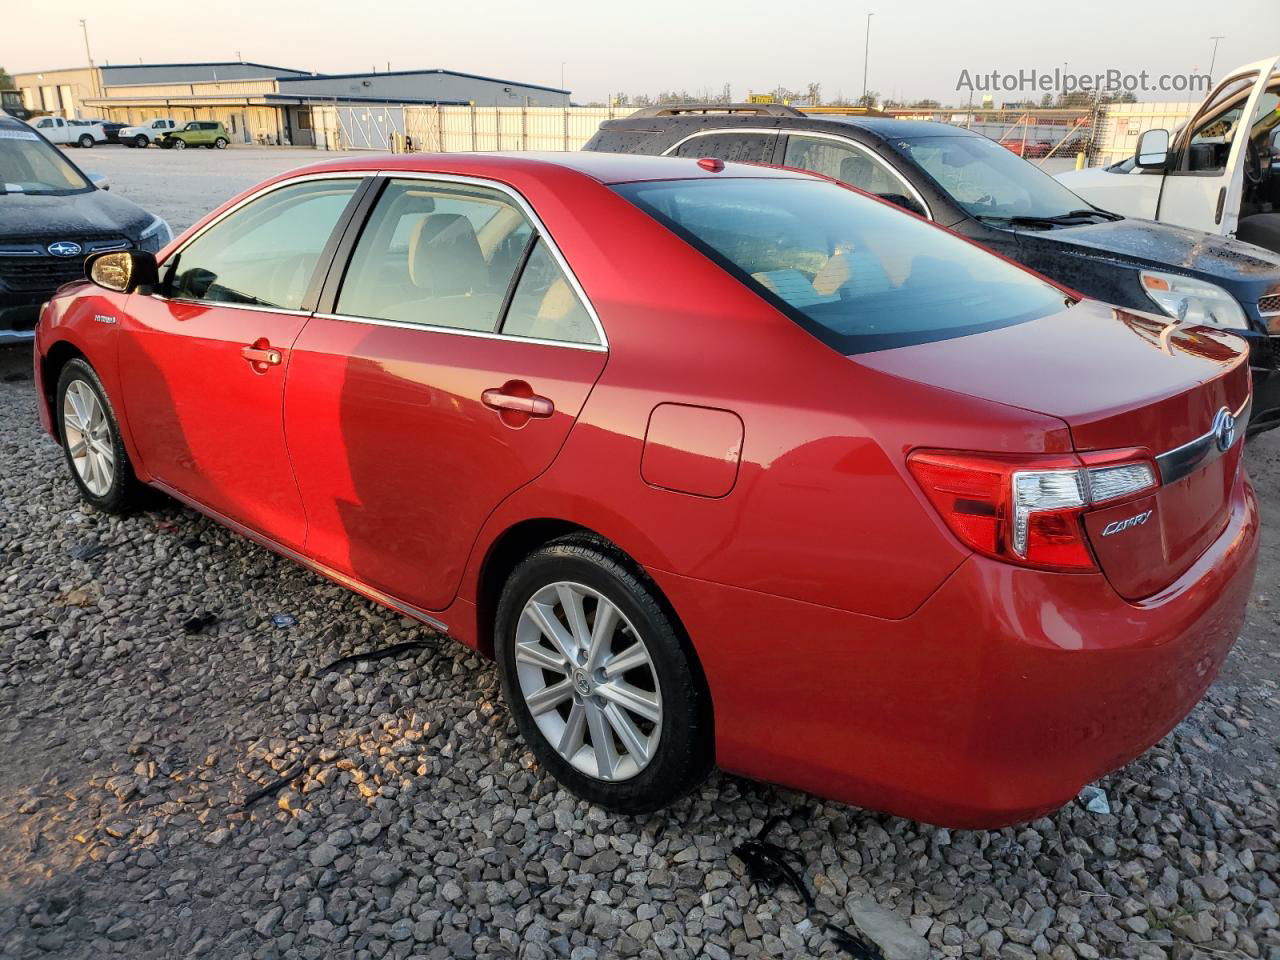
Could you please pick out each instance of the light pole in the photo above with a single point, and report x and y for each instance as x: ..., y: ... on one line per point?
x: 562, y: 63
x: 93, y: 74
x: 866, y: 52
x: 1214, y: 58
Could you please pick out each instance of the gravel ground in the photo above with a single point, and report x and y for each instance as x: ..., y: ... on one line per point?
x: 183, y: 185
x: 418, y: 825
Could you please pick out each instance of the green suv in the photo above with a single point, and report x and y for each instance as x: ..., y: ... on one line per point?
x: 198, y: 133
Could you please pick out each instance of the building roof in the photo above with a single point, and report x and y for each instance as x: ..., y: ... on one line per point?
x: 131, y: 74
x: 419, y: 73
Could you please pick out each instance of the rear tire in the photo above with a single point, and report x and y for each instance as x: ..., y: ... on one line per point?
x: 220, y: 143
x: 634, y: 692
x: 85, y: 141
x: 91, y: 443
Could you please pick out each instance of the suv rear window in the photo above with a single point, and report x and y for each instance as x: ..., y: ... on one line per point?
x: 858, y: 274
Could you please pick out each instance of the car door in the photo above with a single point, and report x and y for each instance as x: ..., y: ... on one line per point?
x: 456, y: 357
x: 203, y: 362
x: 736, y: 146
x: 1205, y: 185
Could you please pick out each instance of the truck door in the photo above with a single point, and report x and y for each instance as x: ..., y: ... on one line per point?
x: 1204, y: 187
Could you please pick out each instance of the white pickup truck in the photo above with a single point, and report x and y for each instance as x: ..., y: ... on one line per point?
x: 68, y: 134
x: 145, y: 134
x: 1217, y: 173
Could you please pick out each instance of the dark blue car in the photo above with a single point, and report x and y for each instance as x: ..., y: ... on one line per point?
x: 976, y: 187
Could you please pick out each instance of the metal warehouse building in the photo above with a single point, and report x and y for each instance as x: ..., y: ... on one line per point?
x: 260, y: 103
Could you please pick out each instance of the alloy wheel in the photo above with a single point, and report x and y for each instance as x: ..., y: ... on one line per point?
x: 588, y: 680
x: 87, y: 433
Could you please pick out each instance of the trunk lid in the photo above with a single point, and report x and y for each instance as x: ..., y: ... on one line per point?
x: 1118, y: 379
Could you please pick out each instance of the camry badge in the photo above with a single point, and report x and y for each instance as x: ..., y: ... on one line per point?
x: 1119, y: 525
x: 1224, y: 429
x: 64, y: 248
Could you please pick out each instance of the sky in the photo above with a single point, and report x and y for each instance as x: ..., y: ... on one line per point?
x: 917, y: 49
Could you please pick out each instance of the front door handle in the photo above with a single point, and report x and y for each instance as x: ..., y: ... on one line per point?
x: 261, y: 354
x: 531, y: 405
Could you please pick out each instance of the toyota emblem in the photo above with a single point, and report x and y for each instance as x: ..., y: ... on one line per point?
x: 1224, y: 429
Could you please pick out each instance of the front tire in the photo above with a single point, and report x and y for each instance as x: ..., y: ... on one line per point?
x: 140, y: 141
x: 86, y: 141
x: 179, y: 144
x: 91, y: 442
x: 600, y: 684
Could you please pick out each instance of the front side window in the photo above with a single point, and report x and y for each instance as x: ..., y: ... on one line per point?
x: 855, y: 273
x: 1214, y: 130
x: 265, y: 253
x: 986, y: 180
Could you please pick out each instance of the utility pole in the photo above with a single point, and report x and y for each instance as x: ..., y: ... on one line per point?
x: 562, y: 63
x: 866, y: 52
x: 1212, y: 60
x: 93, y: 73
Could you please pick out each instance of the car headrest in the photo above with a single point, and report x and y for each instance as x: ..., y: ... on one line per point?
x: 444, y: 255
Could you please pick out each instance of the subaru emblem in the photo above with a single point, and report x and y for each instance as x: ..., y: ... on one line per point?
x: 64, y: 248
x: 1224, y: 429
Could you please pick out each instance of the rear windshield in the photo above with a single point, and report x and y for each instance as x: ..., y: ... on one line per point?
x: 858, y: 274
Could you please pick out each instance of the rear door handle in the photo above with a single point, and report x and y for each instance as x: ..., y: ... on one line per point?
x: 533, y: 406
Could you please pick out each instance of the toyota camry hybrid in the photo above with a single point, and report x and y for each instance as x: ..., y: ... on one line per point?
x: 724, y: 465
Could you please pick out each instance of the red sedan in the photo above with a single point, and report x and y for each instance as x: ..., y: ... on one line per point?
x: 723, y: 465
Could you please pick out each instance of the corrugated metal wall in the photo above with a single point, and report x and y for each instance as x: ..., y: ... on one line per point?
x: 452, y: 129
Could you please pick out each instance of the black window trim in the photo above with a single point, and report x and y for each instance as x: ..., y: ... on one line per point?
x: 341, y: 261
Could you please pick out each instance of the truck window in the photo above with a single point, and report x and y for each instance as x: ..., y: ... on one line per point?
x: 1215, y: 127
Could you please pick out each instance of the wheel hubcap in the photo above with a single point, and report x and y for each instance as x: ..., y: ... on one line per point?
x: 588, y: 680
x: 87, y: 433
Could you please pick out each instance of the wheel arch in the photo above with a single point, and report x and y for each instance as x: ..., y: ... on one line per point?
x: 51, y: 364
x: 522, y: 538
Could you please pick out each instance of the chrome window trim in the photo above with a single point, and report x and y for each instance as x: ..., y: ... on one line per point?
x: 1203, y: 450
x: 816, y: 135
x: 460, y: 331
x: 356, y: 175
x: 540, y: 230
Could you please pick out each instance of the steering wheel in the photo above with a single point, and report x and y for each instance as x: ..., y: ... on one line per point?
x: 1252, y: 163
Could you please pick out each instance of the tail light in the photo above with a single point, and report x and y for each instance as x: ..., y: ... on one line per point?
x: 1027, y: 510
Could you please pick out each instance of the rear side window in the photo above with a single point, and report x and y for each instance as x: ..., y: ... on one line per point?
x: 545, y: 306
x: 733, y: 147
x: 857, y: 274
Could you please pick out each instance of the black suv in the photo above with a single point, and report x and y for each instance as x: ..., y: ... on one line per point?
x: 974, y: 186
x: 51, y: 217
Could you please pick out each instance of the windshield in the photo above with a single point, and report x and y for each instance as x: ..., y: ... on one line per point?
x: 29, y: 165
x: 988, y: 180
x: 858, y: 274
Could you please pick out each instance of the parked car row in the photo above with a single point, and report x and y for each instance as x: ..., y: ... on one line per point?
x: 723, y: 463
x: 161, y: 131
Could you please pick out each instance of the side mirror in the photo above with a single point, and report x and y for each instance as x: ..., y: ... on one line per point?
x: 1153, y: 150
x: 100, y: 180
x: 905, y: 202
x: 123, y: 271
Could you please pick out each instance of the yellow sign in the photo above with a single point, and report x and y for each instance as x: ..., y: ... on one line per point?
x: 760, y: 98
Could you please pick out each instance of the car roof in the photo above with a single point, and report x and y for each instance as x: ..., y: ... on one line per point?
x: 606, y: 168
x: 886, y: 128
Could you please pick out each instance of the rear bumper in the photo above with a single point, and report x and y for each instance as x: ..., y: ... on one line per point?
x: 1007, y: 691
